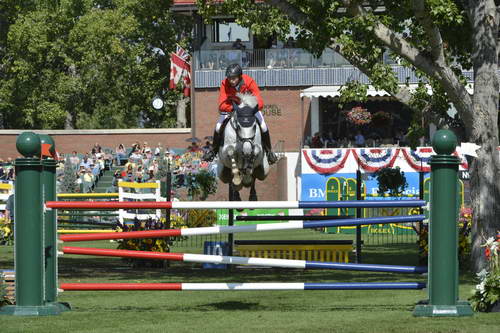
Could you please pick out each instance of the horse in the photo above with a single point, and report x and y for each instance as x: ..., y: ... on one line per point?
x: 242, y: 158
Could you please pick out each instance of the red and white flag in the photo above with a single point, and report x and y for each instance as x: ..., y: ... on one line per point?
x: 180, y: 69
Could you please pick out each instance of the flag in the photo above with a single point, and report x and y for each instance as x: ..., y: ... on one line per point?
x: 180, y: 69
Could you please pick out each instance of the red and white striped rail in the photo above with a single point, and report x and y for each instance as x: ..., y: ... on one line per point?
x: 244, y: 286
x: 232, y: 260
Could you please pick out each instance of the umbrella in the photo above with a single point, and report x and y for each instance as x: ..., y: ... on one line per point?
x: 193, y: 139
x: 209, y: 138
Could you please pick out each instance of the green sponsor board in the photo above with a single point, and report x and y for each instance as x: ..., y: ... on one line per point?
x: 223, y: 215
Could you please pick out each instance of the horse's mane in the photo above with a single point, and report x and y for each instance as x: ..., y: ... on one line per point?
x: 247, y: 100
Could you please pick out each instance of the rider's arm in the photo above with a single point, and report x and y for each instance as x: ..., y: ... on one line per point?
x: 254, y: 89
x: 225, y: 104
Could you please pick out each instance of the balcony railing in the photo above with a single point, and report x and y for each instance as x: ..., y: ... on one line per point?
x: 271, y: 58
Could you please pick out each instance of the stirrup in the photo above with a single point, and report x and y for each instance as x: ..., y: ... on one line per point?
x: 271, y: 157
x: 209, y: 156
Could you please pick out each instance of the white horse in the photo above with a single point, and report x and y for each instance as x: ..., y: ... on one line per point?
x: 242, y: 158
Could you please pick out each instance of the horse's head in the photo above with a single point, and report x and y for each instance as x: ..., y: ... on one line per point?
x: 245, y: 112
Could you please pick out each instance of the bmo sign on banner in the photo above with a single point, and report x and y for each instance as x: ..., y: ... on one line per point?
x: 330, y: 174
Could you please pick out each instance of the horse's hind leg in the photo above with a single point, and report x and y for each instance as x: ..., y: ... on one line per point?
x: 253, y: 193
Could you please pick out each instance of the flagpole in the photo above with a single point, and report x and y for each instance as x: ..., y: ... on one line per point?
x: 193, y: 98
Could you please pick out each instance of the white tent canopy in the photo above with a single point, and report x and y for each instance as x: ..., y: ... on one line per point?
x: 334, y: 91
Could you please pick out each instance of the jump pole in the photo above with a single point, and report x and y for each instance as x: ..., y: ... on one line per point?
x: 242, y: 228
x: 113, y: 205
x: 233, y: 260
x: 243, y: 286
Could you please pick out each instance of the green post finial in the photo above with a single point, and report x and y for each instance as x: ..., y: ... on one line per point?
x: 28, y: 144
x: 444, y: 142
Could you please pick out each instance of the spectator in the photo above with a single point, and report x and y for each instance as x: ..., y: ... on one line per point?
x: 359, y: 139
x: 85, y: 162
x: 121, y: 154
x: 194, y: 148
x: 74, y: 159
x: 290, y: 43
x: 239, y: 45
x: 158, y: 149
x: 207, y: 146
x: 139, y: 174
x: 9, y: 210
x: 316, y: 141
x: 145, y: 147
x: 150, y: 176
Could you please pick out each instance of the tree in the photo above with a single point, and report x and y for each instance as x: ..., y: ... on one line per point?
x: 437, y: 39
x: 86, y: 64
x: 69, y: 179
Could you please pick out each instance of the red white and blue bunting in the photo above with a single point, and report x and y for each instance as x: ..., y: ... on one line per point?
x: 373, y: 159
x: 326, y: 161
x: 346, y: 160
x: 419, y: 159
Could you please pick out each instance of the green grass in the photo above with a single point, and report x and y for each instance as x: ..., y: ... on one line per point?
x: 245, y: 311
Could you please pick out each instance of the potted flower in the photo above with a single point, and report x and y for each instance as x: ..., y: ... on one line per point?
x: 359, y: 116
x: 486, y: 295
x: 391, y: 180
x: 381, y: 119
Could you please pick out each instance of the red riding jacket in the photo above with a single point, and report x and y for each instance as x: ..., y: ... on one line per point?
x: 227, y: 93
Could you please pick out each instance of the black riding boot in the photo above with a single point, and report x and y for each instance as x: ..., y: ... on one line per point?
x: 210, y: 155
x: 266, y: 141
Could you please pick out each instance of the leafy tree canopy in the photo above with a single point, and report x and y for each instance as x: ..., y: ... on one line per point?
x: 86, y: 64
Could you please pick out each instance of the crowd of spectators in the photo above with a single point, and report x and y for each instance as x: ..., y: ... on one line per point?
x: 358, y: 139
x: 141, y: 162
x: 138, y: 163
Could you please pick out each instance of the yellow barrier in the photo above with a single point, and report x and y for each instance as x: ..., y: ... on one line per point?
x: 6, y: 186
x: 83, y: 231
x: 330, y: 253
x: 87, y: 195
x: 138, y: 185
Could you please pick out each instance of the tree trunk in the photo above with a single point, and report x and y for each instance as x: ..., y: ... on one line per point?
x: 485, y: 169
x: 181, y: 112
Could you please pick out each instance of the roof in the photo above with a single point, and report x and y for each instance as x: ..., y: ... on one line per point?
x: 334, y: 91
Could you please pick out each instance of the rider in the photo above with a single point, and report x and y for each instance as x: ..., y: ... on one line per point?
x: 235, y: 82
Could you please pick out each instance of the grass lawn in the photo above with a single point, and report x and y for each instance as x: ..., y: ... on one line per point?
x: 242, y: 311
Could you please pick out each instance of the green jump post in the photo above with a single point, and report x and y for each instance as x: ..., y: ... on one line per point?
x: 443, y: 234
x: 48, y: 180
x: 28, y: 231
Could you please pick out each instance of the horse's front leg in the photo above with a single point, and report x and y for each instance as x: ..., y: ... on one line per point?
x: 234, y: 168
x: 253, y: 192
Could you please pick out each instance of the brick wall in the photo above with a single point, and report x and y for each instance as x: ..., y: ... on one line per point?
x: 282, y: 106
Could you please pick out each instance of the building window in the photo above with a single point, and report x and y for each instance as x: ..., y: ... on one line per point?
x: 228, y: 31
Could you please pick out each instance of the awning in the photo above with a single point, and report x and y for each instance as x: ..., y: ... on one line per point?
x: 334, y: 91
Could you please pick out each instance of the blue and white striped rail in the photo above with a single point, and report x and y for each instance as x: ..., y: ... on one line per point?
x: 243, y: 286
x: 243, y: 228
x: 233, y: 260
x: 95, y: 205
